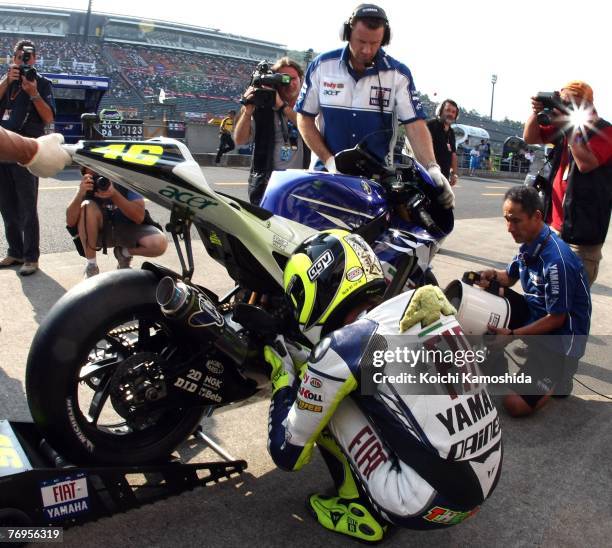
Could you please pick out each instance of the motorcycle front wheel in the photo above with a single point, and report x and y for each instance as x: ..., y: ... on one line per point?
x: 95, y: 377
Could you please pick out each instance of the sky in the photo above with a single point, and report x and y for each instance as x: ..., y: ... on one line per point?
x: 452, y: 48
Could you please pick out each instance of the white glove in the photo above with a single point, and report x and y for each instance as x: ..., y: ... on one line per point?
x: 50, y: 158
x: 446, y: 198
x: 330, y: 165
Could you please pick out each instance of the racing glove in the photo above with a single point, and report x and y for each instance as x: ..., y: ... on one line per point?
x: 50, y: 158
x: 330, y: 164
x: 287, y: 360
x: 447, y: 197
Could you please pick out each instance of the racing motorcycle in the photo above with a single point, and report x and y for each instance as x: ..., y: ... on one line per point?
x: 395, y: 208
x: 126, y: 364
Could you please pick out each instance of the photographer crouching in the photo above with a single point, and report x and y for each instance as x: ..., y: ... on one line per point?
x: 26, y: 107
x: 104, y: 215
x: 268, y: 119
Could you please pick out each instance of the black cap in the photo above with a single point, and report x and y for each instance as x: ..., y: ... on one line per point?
x: 369, y: 10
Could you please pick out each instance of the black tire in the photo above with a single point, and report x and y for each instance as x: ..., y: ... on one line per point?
x: 87, y: 317
x: 14, y: 517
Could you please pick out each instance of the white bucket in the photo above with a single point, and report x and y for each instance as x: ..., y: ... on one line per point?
x: 477, y: 308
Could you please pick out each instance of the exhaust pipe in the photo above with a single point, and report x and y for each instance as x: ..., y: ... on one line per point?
x: 200, y: 317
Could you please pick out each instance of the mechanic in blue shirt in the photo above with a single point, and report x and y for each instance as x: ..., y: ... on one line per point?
x: 557, y: 299
x: 358, y: 93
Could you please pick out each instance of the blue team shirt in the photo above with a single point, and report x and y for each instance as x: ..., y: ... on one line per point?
x: 349, y: 104
x: 554, y: 282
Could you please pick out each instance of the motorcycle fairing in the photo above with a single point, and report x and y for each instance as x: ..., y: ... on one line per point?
x: 164, y: 171
x: 322, y: 200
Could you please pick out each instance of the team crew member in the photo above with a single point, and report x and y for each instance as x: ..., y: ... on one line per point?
x: 226, y: 143
x: 358, y: 93
x: 557, y: 302
x: 443, y: 138
x: 420, y: 461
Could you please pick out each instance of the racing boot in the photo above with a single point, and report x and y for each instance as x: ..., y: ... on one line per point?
x: 346, y: 513
x: 348, y: 517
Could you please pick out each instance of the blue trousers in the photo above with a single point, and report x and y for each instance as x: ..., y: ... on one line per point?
x: 18, y: 206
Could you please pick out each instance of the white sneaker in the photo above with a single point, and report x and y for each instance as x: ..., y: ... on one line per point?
x: 122, y: 260
x: 28, y: 268
x: 91, y: 269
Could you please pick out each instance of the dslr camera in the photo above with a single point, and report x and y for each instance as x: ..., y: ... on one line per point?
x: 99, y: 184
x: 25, y: 69
x: 266, y: 82
x: 550, y: 100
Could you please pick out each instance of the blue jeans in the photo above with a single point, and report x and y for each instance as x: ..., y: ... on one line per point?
x: 18, y: 206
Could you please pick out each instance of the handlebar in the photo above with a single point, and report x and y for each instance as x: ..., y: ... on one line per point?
x: 417, y: 203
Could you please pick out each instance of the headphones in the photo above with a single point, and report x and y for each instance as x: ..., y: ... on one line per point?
x: 443, y: 104
x: 363, y: 11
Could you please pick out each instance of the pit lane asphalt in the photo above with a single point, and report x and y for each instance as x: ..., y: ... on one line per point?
x: 478, y: 198
x: 555, y: 486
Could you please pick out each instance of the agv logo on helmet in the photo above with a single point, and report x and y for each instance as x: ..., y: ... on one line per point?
x: 319, y: 266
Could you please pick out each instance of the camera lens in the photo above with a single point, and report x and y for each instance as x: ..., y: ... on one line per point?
x: 30, y: 74
x: 544, y: 117
x: 101, y: 183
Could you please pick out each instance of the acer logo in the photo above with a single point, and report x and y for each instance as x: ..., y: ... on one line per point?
x: 187, y: 198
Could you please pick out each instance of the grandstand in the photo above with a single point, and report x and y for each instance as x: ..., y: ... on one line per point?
x: 203, y: 69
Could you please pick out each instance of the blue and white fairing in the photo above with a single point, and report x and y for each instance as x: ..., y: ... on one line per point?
x: 322, y: 201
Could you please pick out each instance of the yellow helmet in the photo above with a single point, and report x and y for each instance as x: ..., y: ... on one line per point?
x: 325, y: 277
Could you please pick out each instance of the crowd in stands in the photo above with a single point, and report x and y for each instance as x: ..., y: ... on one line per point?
x: 182, y: 74
x: 201, y: 81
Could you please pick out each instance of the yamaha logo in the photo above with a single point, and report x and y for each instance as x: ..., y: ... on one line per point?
x: 366, y: 187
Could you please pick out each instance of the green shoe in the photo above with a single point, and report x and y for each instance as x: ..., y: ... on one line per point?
x: 348, y: 517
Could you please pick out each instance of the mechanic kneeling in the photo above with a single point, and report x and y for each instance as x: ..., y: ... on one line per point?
x: 556, y: 302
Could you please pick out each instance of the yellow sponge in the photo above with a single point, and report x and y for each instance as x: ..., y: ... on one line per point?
x: 426, y: 306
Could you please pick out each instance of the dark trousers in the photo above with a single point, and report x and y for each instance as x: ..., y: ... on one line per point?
x: 258, y: 183
x: 18, y: 206
x: 226, y: 143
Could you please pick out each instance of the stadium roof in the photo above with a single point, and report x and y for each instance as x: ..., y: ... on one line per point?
x: 115, y: 18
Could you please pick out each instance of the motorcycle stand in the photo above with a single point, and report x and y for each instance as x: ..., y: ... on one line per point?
x: 39, y: 488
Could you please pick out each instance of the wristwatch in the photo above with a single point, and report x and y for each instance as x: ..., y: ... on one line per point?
x: 432, y: 164
x: 35, y: 97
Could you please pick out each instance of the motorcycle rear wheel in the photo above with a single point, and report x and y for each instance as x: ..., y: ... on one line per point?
x: 77, y: 368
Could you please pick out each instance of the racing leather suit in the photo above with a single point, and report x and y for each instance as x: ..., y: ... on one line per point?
x: 423, y: 461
